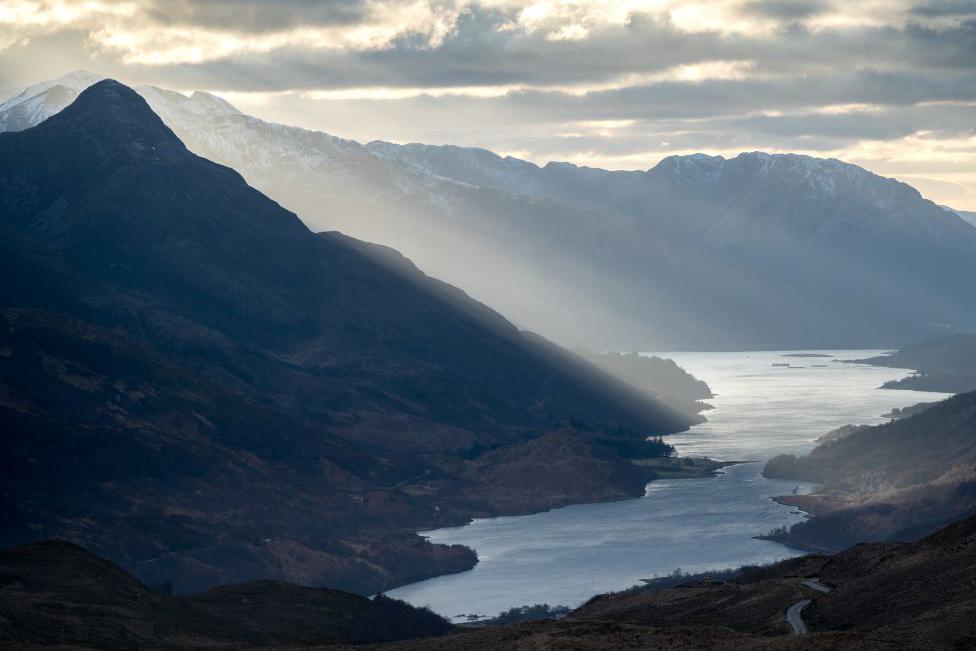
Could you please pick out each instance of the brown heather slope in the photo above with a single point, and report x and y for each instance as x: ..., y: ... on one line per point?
x: 197, y: 387
x: 892, y: 482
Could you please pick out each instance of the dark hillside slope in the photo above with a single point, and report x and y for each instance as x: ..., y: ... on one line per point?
x: 880, y: 596
x: 198, y: 387
x: 896, y: 481
x: 55, y: 593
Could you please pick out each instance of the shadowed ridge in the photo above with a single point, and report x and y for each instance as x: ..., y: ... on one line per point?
x: 954, y: 536
x: 109, y: 112
x: 36, y: 559
x: 264, y: 382
x: 40, y: 570
x: 54, y: 593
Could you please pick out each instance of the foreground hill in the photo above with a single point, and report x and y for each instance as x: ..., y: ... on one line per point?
x: 54, y: 593
x: 891, y: 482
x: 699, y: 252
x: 198, y: 387
x: 881, y: 596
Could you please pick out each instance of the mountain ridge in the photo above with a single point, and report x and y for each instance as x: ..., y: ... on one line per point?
x: 197, y: 386
x: 698, y: 252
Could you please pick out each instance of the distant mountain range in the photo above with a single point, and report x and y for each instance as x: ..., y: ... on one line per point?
x: 699, y: 252
x: 195, y: 385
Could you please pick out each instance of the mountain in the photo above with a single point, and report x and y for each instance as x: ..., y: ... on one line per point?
x: 699, y: 252
x: 968, y: 216
x: 871, y: 596
x: 891, y: 482
x: 659, y: 377
x: 779, y: 249
x: 196, y: 386
x: 40, y: 101
x: 54, y: 593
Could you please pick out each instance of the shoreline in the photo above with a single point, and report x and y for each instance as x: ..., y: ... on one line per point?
x: 663, y: 468
x: 711, y: 468
x: 779, y: 550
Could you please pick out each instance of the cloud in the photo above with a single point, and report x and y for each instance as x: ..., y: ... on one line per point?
x: 615, y: 83
x: 186, y: 31
x: 941, y: 8
x: 786, y: 9
x: 257, y: 16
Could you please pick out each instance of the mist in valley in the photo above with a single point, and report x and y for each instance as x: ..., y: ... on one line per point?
x: 673, y: 345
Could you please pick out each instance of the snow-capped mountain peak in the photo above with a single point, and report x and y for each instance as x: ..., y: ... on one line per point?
x: 77, y: 81
x: 199, y: 103
x: 583, y: 242
x: 40, y: 101
x: 212, y: 102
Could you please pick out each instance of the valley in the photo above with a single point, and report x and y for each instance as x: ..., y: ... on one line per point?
x: 906, y: 596
x: 564, y: 556
x: 203, y: 390
x: 266, y: 387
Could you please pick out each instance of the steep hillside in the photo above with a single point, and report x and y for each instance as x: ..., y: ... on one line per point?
x: 699, y: 252
x: 896, y: 481
x: 894, y: 596
x: 195, y: 385
x: 661, y: 378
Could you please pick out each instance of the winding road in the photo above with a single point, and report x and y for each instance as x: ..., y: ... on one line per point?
x: 793, y: 617
x: 814, y: 584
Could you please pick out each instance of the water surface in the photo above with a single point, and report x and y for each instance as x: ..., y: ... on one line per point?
x: 567, y: 555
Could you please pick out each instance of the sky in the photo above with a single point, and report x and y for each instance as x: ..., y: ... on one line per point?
x: 887, y: 84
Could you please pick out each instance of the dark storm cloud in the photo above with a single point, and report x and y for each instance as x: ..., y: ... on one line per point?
x: 787, y: 77
x: 938, y: 8
x: 718, y: 98
x: 786, y: 9
x: 480, y: 53
x: 255, y: 16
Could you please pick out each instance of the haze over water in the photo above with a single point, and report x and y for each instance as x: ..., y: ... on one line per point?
x: 567, y: 555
